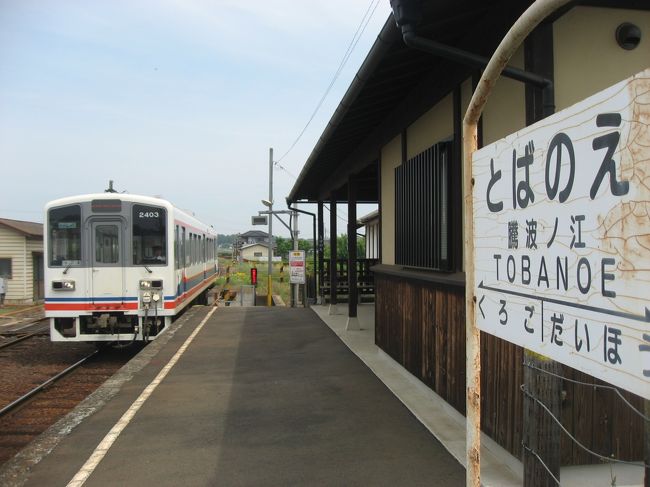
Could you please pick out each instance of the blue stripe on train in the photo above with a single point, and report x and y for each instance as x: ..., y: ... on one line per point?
x: 190, y: 285
x: 91, y: 299
x: 73, y: 300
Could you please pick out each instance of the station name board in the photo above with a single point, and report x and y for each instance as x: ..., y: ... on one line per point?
x: 562, y: 236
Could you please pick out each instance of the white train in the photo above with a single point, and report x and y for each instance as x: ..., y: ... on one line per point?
x: 118, y: 267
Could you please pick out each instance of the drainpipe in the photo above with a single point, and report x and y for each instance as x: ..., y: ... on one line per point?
x: 537, y: 12
x: 407, y: 14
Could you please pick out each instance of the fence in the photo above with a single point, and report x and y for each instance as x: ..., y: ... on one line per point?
x: 365, y: 278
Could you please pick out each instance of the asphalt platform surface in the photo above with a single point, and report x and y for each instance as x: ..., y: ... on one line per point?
x: 262, y: 396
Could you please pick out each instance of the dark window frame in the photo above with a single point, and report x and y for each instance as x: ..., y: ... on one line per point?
x: 423, y: 223
x: 145, y: 259
x: 51, y: 262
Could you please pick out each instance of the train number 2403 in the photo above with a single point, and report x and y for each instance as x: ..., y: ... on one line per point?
x: 148, y: 214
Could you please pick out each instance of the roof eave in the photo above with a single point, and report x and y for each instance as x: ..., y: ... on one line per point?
x: 389, y: 34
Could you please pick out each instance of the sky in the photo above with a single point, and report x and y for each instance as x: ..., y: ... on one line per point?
x: 180, y: 99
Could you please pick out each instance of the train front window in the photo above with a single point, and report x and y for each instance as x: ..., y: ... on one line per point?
x: 149, y: 235
x: 65, y: 236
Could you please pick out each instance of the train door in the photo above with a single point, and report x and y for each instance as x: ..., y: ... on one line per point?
x: 38, y: 276
x: 107, y: 281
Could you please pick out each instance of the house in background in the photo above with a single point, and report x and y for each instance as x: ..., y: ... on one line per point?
x: 395, y: 140
x: 21, y: 260
x: 370, y: 222
x: 248, y: 238
x: 257, y: 252
x: 253, y: 236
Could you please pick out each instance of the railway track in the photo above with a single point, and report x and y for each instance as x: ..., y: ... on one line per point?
x: 26, y: 397
x: 41, y: 381
x: 17, y: 337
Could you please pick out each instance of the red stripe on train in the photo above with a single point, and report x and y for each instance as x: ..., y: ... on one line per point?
x: 188, y: 295
x: 90, y: 307
x: 121, y: 306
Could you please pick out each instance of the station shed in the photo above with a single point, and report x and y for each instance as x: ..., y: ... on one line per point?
x: 21, y: 260
x: 395, y: 140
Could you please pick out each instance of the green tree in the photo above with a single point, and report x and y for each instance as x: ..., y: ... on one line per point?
x: 283, y: 246
x: 226, y: 240
x: 305, y: 245
x: 342, y: 247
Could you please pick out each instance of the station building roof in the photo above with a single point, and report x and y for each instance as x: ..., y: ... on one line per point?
x: 28, y: 229
x: 396, y: 85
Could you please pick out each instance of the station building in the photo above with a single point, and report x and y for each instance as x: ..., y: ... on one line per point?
x: 21, y: 260
x: 395, y: 140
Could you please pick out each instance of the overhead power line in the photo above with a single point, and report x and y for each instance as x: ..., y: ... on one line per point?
x: 353, y: 43
x: 280, y: 166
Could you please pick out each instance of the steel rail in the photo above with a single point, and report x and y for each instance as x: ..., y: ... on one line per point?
x: 24, y: 337
x: 9, y: 407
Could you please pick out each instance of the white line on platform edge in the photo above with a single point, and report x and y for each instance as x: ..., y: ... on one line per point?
x: 88, y: 468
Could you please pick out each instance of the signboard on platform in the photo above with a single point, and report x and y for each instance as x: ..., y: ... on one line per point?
x: 297, y: 266
x: 562, y: 236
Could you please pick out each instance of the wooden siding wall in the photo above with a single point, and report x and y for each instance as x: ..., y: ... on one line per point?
x: 372, y: 241
x: 422, y: 326
x: 20, y: 288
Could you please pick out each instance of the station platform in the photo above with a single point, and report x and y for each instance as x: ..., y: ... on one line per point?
x: 240, y: 396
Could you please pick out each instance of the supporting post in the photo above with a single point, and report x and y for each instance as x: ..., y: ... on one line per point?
x: 473, y: 337
x: 313, y: 249
x: 321, y: 248
x: 510, y: 43
x: 313, y: 216
x: 353, y: 320
x: 296, y: 287
x: 333, y: 257
x: 541, y: 435
x: 646, y: 443
x: 269, y: 279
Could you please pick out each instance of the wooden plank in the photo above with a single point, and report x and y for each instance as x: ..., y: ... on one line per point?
x: 441, y: 349
x: 583, y: 413
x: 567, y: 416
x: 427, y: 333
x: 601, y: 423
x: 460, y: 373
x: 541, y: 432
x: 518, y: 418
x: 429, y: 319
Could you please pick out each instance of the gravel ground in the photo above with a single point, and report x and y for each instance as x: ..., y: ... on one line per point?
x: 29, y: 363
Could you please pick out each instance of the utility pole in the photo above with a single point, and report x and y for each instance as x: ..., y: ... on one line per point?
x: 269, y: 296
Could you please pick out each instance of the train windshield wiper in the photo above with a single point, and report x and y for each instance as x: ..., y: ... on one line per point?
x: 150, y: 271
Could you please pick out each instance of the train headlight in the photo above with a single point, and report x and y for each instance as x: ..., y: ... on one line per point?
x: 151, y: 284
x: 63, y: 285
